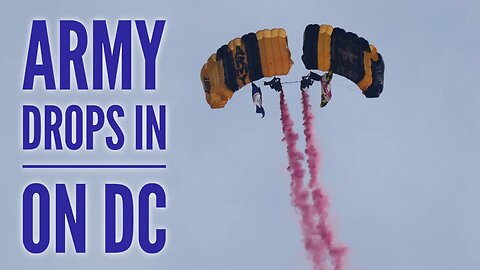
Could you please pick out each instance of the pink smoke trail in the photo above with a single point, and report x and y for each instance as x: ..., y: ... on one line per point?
x: 299, y: 194
x: 321, y: 202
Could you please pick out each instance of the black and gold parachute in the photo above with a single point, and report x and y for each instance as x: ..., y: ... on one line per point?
x: 244, y: 60
x: 344, y: 53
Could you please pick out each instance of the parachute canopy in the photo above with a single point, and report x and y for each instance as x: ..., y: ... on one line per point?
x: 242, y: 61
x: 344, y: 53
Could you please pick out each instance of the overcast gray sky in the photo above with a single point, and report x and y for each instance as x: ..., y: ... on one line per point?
x: 402, y: 170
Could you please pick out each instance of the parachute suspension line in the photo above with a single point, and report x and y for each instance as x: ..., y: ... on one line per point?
x: 344, y: 84
x: 319, y: 198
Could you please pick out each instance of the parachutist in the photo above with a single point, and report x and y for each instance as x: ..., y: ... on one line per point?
x: 306, y: 82
x: 275, y: 84
x: 324, y: 79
